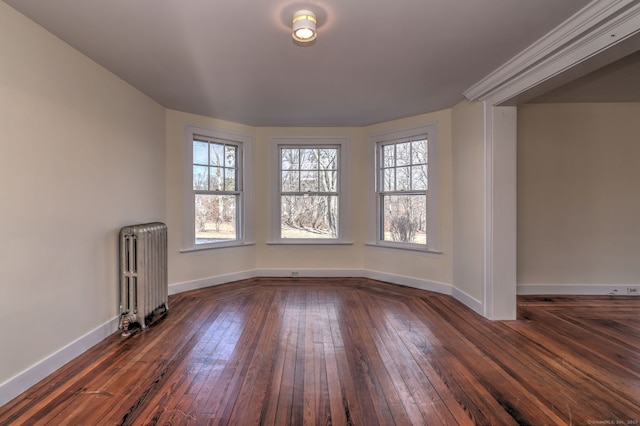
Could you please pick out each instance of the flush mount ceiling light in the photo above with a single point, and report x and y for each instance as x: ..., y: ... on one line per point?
x: 304, y: 26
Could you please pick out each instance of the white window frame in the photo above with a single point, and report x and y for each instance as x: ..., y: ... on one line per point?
x: 244, y: 224
x: 375, y: 141
x: 343, y: 207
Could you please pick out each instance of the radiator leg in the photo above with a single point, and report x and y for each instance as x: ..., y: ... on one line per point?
x: 125, y: 326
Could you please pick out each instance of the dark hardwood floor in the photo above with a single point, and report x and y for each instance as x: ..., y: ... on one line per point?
x: 352, y: 351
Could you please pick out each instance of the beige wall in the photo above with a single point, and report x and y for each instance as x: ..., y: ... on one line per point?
x: 434, y: 267
x: 315, y: 257
x: 468, y: 190
x: 579, y: 199
x: 206, y: 266
x: 81, y: 154
x: 185, y: 267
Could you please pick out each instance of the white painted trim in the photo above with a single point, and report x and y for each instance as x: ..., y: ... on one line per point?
x: 344, y: 231
x: 500, y: 200
x: 32, y: 375
x: 575, y: 289
x: 471, y: 302
x: 209, y: 282
x: 487, y: 279
x: 418, y: 283
x: 246, y: 198
x: 598, y: 26
x: 430, y: 129
x: 310, y: 273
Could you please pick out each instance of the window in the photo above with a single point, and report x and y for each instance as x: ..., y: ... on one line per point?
x: 215, y: 216
x: 310, y: 201
x: 405, y: 197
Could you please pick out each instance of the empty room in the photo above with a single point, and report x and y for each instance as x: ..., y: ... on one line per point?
x: 320, y: 212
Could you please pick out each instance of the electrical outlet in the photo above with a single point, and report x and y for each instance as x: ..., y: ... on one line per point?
x: 295, y: 274
x: 633, y: 291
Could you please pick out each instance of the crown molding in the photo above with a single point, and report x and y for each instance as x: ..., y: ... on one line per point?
x: 598, y: 26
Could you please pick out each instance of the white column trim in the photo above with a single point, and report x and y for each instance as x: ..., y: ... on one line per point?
x: 487, y: 279
x: 500, y: 200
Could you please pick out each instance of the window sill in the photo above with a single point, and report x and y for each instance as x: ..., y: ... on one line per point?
x: 309, y: 243
x: 403, y: 247
x: 218, y: 246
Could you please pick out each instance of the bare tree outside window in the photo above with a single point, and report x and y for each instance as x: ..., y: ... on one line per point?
x: 402, y: 191
x: 309, y: 192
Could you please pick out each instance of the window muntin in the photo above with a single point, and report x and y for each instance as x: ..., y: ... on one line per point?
x: 402, y: 185
x: 217, y: 188
x: 309, y: 189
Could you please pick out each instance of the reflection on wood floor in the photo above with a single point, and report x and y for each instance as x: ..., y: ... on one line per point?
x: 352, y: 351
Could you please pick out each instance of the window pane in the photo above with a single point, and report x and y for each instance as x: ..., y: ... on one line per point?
x: 403, y: 178
x: 215, y: 218
x: 309, y: 181
x: 231, y: 179
x: 328, y: 181
x: 403, y: 154
x: 388, y: 154
x: 328, y: 158
x: 290, y: 181
x: 309, y: 216
x: 200, y: 177
x: 389, y: 177
x: 215, y: 178
x: 419, y: 178
x: 200, y: 152
x: 419, y: 152
x: 216, y: 157
x: 231, y: 156
x: 309, y: 159
x: 290, y: 159
x: 404, y: 218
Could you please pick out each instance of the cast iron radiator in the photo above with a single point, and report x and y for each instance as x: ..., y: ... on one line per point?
x: 143, y: 273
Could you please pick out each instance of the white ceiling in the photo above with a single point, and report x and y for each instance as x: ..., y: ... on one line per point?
x: 374, y: 60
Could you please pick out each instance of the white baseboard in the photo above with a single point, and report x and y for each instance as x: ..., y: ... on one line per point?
x: 409, y: 281
x: 308, y: 272
x: 467, y: 300
x: 32, y: 375
x: 209, y: 282
x: 575, y: 289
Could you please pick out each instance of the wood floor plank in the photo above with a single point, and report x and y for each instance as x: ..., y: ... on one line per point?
x: 255, y: 379
x: 270, y: 406
x: 352, y: 351
x: 408, y: 397
x: 599, y: 383
x: 284, y: 408
x: 345, y: 406
x: 459, y: 367
x: 495, y: 376
x: 152, y: 400
x: 172, y: 406
x: 335, y: 391
x: 418, y: 386
x: 365, y: 362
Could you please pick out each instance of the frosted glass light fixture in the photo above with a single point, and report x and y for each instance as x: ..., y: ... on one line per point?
x: 304, y: 26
